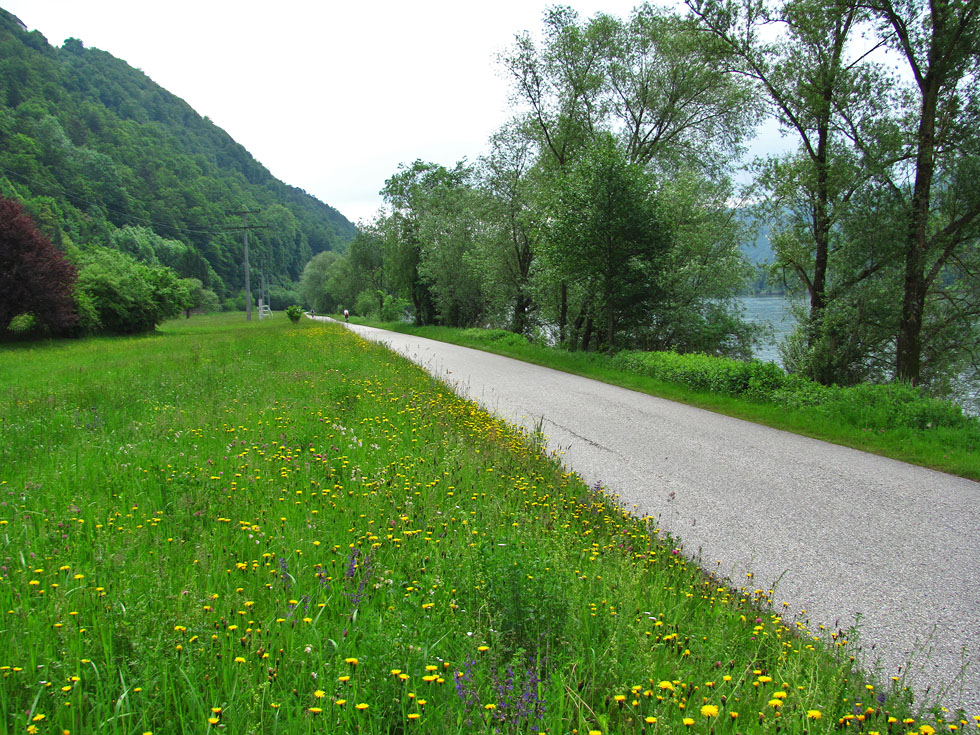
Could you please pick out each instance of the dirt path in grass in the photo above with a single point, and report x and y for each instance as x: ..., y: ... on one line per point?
x: 844, y: 535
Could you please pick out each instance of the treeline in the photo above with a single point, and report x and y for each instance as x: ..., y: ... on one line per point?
x: 603, y: 215
x: 101, y: 156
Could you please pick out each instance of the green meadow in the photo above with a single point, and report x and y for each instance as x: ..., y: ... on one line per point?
x: 274, y: 528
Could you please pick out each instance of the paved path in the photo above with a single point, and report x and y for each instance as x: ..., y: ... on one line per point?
x: 845, y: 533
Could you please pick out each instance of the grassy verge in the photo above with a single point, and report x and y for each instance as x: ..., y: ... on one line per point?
x: 277, y: 528
x: 851, y: 417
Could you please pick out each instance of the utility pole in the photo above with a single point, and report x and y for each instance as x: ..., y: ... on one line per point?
x: 244, y: 213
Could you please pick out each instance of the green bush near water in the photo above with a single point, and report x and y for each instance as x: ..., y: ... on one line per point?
x: 886, y: 406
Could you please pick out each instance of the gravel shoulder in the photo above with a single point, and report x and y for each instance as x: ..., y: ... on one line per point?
x: 849, y: 537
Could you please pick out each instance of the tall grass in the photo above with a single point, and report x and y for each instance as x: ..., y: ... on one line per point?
x: 276, y: 528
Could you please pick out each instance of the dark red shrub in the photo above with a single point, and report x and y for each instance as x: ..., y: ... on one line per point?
x: 35, y: 277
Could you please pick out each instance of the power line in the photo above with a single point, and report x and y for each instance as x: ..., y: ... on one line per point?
x: 244, y: 213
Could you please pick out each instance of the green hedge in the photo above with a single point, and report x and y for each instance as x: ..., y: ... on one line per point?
x: 882, y: 406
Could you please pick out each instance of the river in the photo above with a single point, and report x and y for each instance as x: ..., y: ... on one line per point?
x: 774, y: 310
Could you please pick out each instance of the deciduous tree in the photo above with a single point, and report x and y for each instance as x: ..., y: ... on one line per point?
x: 35, y: 278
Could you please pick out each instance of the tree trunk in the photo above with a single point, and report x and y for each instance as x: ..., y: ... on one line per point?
x: 587, y: 335
x: 563, y: 312
x: 908, y: 352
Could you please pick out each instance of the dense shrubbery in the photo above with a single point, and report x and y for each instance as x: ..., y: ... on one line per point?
x: 496, y: 337
x: 123, y: 296
x: 866, y: 405
x: 753, y: 379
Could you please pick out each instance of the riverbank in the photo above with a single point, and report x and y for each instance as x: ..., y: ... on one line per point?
x: 891, y: 421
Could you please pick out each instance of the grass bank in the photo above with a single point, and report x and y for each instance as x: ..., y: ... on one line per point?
x: 893, y: 421
x: 277, y: 528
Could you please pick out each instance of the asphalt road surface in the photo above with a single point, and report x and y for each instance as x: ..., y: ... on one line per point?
x: 844, y: 535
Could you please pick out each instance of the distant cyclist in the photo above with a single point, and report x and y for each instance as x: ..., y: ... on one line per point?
x: 346, y: 315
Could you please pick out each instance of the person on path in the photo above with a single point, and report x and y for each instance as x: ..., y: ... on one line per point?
x: 346, y: 315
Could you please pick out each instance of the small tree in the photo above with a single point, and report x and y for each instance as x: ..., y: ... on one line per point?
x: 606, y: 237
x: 35, y: 277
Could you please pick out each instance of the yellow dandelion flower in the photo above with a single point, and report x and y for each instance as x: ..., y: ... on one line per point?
x: 362, y: 705
x: 688, y: 721
x: 351, y: 661
x: 666, y: 686
x: 776, y: 703
x: 214, y: 720
x: 491, y: 705
x: 709, y: 710
x: 319, y: 694
x: 316, y: 710
x: 414, y: 716
x: 814, y: 714
x: 650, y: 720
x: 340, y: 702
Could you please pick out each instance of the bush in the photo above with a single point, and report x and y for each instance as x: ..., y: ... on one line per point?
x: 281, y: 298
x: 866, y: 406
x: 752, y: 379
x: 294, y: 312
x: 495, y: 337
x: 891, y: 406
x: 366, y: 303
x: 394, y: 309
x: 129, y: 297
x: 35, y: 277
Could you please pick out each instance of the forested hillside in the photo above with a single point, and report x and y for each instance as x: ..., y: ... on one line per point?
x: 101, y: 155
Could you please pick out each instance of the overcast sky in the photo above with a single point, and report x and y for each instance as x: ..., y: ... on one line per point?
x: 329, y: 96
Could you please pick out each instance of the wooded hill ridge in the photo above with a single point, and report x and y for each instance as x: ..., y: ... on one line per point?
x: 99, y: 154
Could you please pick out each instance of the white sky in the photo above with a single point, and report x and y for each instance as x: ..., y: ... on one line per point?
x: 330, y: 96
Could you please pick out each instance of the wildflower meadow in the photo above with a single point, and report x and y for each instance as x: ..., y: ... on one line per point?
x: 279, y: 528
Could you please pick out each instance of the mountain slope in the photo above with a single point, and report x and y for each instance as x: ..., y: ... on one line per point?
x: 92, y: 145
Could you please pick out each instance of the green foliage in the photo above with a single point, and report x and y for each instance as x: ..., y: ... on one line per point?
x: 752, y: 379
x: 865, y: 406
x: 528, y: 603
x: 394, y: 309
x: 366, y: 303
x: 199, y: 298
x: 128, y: 296
x: 294, y: 313
x: 315, y: 285
x: 280, y: 297
x: 101, y: 155
x: 607, y: 237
